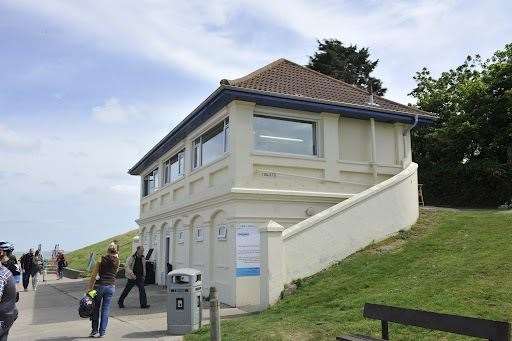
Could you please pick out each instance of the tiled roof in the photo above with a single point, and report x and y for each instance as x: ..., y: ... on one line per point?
x: 285, y: 77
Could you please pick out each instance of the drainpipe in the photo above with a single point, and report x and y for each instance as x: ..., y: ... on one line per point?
x: 407, y: 131
x: 374, y: 149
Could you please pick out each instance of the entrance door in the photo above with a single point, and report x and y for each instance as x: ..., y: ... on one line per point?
x: 167, y: 253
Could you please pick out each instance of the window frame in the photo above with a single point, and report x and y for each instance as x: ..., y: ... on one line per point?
x: 167, y: 166
x: 315, y: 131
x: 147, y: 189
x: 197, y: 152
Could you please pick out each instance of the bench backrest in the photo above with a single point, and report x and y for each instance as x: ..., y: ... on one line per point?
x: 470, y: 326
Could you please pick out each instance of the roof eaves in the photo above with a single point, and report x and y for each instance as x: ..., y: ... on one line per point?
x: 175, y: 129
x: 345, y: 104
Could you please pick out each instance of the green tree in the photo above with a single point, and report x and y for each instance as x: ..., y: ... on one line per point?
x: 465, y: 158
x: 346, y: 63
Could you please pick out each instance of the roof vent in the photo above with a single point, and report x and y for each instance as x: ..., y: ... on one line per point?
x: 224, y: 82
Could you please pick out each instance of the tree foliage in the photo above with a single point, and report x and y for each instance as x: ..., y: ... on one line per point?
x: 346, y: 63
x: 465, y: 158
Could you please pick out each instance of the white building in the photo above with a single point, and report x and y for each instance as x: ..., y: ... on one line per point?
x: 275, y: 176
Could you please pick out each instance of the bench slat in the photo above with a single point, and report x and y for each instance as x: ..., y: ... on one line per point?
x: 487, y: 329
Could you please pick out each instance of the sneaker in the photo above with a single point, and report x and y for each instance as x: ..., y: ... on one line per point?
x: 93, y: 334
x: 145, y: 306
x: 121, y: 305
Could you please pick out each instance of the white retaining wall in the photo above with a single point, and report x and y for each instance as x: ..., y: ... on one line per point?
x: 349, y: 226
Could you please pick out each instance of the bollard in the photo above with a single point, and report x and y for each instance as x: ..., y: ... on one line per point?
x: 214, y: 315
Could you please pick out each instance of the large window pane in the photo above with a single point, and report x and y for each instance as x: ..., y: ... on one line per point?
x: 174, y: 168
x: 150, y: 182
x: 213, y: 144
x: 284, y: 135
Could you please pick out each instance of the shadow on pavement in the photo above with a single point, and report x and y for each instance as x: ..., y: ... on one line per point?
x: 62, y: 338
x: 145, y: 335
x: 58, y: 302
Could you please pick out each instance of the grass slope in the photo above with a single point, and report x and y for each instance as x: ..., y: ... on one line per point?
x: 78, y: 259
x: 456, y: 262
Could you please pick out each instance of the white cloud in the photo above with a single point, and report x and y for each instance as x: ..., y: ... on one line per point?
x: 113, y: 112
x: 15, y: 142
x: 190, y: 35
x: 131, y: 190
x: 200, y: 38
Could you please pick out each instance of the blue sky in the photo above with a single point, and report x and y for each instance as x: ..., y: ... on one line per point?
x: 87, y: 87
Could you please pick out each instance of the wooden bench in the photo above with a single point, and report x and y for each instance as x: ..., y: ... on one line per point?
x: 469, y: 326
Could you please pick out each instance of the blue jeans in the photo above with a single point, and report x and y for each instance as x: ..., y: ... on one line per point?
x: 103, y: 300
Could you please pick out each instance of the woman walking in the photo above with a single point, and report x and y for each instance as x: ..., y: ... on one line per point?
x: 106, y: 269
x: 36, y: 269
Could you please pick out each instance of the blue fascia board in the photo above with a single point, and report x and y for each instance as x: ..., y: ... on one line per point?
x: 224, y: 96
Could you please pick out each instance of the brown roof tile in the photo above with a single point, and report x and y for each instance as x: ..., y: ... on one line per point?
x: 285, y: 77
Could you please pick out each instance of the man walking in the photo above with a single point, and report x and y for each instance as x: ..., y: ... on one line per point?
x: 8, y: 311
x: 27, y: 263
x: 135, y: 273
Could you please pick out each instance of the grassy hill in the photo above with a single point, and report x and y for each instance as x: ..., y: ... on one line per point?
x: 78, y: 259
x: 456, y: 262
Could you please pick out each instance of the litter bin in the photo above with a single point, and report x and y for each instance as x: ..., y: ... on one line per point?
x: 184, y: 311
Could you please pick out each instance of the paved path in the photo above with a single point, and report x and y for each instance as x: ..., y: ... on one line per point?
x: 50, y: 313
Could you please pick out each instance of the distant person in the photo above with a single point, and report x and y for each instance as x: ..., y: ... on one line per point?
x: 37, y: 268
x: 106, y: 271
x: 135, y: 271
x: 27, y: 262
x: 61, y: 264
x: 8, y: 311
x: 11, y: 263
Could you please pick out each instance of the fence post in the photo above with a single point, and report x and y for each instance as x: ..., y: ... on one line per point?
x: 214, y: 315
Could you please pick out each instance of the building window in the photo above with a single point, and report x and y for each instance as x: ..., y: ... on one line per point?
x: 211, y: 145
x: 174, y: 168
x: 282, y: 135
x: 150, y: 182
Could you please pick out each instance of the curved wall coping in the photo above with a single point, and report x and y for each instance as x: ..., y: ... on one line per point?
x: 352, y: 201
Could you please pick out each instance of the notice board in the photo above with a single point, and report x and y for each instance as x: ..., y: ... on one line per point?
x: 247, y: 250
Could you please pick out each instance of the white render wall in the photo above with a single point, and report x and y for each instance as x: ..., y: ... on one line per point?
x: 349, y: 226
x: 277, y: 193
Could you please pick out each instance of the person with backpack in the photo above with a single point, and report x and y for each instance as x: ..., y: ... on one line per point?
x: 106, y: 272
x: 8, y: 311
x: 37, y: 268
x: 27, y: 262
x: 135, y: 270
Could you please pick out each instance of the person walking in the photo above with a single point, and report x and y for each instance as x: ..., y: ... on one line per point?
x: 37, y: 268
x: 8, y: 311
x: 11, y: 263
x: 106, y: 271
x: 27, y: 261
x: 61, y: 264
x: 135, y: 273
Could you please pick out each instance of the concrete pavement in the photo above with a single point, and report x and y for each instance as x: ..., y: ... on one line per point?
x: 50, y: 313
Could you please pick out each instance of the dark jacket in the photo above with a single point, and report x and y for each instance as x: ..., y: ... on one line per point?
x: 131, y: 267
x: 27, y: 261
x: 107, y: 270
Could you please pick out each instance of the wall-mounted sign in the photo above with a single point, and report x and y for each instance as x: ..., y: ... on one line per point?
x: 199, y: 234
x: 222, y: 232
x: 247, y: 250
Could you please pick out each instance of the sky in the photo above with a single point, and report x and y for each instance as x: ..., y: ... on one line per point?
x: 88, y: 87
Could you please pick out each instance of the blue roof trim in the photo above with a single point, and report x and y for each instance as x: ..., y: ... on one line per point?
x: 224, y: 95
